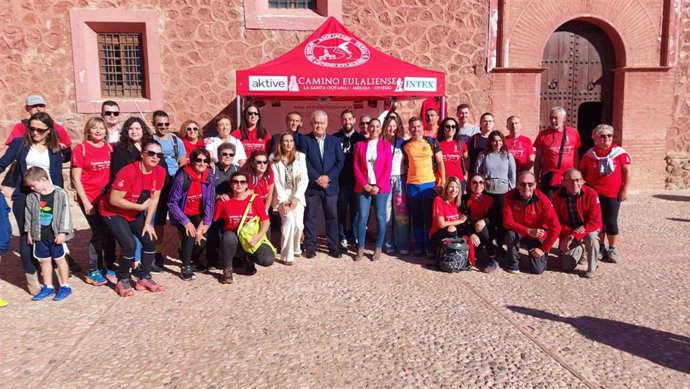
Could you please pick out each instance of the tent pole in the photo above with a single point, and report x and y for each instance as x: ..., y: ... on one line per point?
x: 442, y: 114
x: 238, y: 111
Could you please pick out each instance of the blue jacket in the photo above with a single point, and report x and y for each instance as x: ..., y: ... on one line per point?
x: 5, y: 226
x: 330, y: 164
x: 178, y: 198
x: 18, y: 151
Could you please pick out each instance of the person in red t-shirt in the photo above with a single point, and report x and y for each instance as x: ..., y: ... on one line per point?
x: 606, y: 168
x: 192, y: 196
x: 519, y: 146
x: 36, y: 103
x: 431, y: 123
x: 251, y: 132
x: 192, y: 136
x: 90, y: 174
x: 231, y: 212
x: 548, y: 146
x: 484, y: 220
x: 260, y: 177
x: 446, y: 215
x: 454, y: 151
x: 128, y: 209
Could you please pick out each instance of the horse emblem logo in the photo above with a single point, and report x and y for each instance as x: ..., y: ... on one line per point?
x: 337, y: 51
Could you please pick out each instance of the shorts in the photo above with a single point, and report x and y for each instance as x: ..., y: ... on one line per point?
x: 45, y: 250
x: 161, y: 214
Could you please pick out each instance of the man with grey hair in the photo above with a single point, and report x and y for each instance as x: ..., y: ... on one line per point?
x: 325, y: 160
x: 579, y: 213
x: 557, y: 151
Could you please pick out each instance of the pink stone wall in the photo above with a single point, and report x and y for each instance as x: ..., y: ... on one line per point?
x: 678, y: 139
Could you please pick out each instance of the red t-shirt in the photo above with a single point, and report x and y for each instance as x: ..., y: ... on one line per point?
x: 95, y: 168
x: 189, y: 146
x: 260, y: 186
x: 479, y: 206
x: 194, y: 197
x: 133, y: 181
x: 252, y: 143
x: 549, y: 143
x: 608, y: 186
x: 231, y: 211
x: 19, y: 130
x: 441, y: 208
x: 521, y: 148
x: 452, y: 158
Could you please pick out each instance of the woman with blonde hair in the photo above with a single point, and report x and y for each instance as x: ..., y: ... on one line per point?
x: 192, y: 136
x: 447, y: 218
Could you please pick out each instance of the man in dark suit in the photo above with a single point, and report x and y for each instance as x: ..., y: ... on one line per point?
x: 325, y: 160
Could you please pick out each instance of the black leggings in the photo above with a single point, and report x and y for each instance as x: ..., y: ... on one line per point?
x: 122, y: 230
x: 102, y: 243
x: 190, y: 251
x: 609, y: 214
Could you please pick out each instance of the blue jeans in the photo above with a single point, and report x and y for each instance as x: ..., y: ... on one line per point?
x: 420, y: 199
x: 397, y: 216
x: 364, y: 203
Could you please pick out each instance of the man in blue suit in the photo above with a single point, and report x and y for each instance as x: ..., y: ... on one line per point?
x: 325, y: 160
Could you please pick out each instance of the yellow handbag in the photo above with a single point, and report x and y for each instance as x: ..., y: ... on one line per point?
x: 247, y: 231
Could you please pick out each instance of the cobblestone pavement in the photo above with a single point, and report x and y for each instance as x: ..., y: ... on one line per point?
x: 327, y: 323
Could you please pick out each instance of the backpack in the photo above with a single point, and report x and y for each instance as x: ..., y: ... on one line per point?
x: 454, y: 255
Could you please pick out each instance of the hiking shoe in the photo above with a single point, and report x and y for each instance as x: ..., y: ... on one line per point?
x: 124, y: 288
x: 226, y: 278
x: 343, y: 245
x: 513, y: 268
x: 62, y: 293
x: 249, y: 267
x: 309, y: 254
x: 3, y: 303
x: 491, y: 267
x: 110, y: 275
x: 602, y: 251
x: 95, y: 277
x: 148, y: 284
x: 611, y: 255
x: 187, y: 274
x: 43, y: 293
x: 156, y: 269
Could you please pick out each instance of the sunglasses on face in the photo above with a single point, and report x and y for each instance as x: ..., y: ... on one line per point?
x: 38, y: 130
x: 227, y: 154
x: 450, y: 127
x: 527, y: 184
x: 477, y: 182
x: 200, y: 160
x: 164, y: 124
x: 606, y: 136
x: 111, y: 113
x: 192, y: 129
x: 261, y: 162
x: 250, y: 113
x: 152, y: 154
x: 363, y: 123
x: 239, y: 182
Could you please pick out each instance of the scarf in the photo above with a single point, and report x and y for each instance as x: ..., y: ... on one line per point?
x: 605, y: 165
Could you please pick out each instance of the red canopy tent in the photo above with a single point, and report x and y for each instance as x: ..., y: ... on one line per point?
x: 335, y: 64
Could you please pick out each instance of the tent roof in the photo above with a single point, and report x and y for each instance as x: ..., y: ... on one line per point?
x: 334, y: 63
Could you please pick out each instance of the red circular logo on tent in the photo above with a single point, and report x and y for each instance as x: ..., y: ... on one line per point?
x: 336, y: 51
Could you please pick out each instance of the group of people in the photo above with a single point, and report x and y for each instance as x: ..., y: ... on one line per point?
x: 222, y: 193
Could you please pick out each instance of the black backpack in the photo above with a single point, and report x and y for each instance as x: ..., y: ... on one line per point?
x: 454, y: 255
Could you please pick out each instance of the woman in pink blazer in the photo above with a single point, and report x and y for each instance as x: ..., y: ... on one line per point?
x: 373, y: 161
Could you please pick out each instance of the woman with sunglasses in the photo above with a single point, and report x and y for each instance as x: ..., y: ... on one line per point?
x: 447, y: 220
x: 397, y: 216
x: 231, y: 212
x: 260, y: 177
x: 454, y: 150
x: 192, y: 136
x: 252, y: 133
x: 128, y: 209
x: 606, y: 168
x: 90, y: 174
x: 483, y: 217
x: 291, y: 179
x: 40, y: 146
x: 192, y: 196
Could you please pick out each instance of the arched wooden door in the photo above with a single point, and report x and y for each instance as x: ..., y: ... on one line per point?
x: 578, y: 59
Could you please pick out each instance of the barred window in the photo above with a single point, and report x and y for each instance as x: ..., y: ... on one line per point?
x: 304, y: 4
x: 121, y: 64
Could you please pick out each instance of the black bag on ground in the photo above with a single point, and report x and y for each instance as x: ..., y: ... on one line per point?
x: 454, y: 255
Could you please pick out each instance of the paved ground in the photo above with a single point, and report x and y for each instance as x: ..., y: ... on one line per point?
x: 395, y: 323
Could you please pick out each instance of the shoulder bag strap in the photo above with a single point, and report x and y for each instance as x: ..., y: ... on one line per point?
x: 246, y: 211
x: 560, y: 151
x: 462, y: 157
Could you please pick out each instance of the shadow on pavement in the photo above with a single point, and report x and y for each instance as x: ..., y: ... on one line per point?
x: 677, y: 219
x: 663, y: 348
x: 672, y: 197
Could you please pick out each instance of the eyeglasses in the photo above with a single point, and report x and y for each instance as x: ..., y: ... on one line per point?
x: 200, y: 160
x: 477, y: 182
x: 39, y: 130
x: 605, y: 136
x: 163, y: 124
x: 227, y: 154
x: 527, y: 184
x: 575, y: 180
x: 192, y: 129
x: 363, y: 123
x: 111, y: 113
x: 261, y: 162
x: 239, y: 182
x: 152, y: 154
x: 251, y: 113
x: 450, y: 127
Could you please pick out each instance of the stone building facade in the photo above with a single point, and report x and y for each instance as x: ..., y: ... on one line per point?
x: 493, y: 52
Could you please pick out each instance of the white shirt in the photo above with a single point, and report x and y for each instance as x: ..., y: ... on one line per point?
x: 372, y: 151
x: 35, y: 158
x: 321, y: 142
x: 114, y: 136
x: 212, y: 148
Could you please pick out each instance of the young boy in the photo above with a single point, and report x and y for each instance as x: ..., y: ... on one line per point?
x: 48, y: 223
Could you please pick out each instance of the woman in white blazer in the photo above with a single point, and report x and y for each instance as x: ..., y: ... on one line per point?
x: 291, y: 180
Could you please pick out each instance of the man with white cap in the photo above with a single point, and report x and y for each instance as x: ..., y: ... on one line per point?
x: 36, y: 103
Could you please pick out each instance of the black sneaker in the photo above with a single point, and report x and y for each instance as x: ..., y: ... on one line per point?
x: 187, y: 274
x: 335, y: 253
x: 309, y: 254
x: 156, y: 269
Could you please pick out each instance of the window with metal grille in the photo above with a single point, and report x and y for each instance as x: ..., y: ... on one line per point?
x: 122, y: 64
x: 305, y: 4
